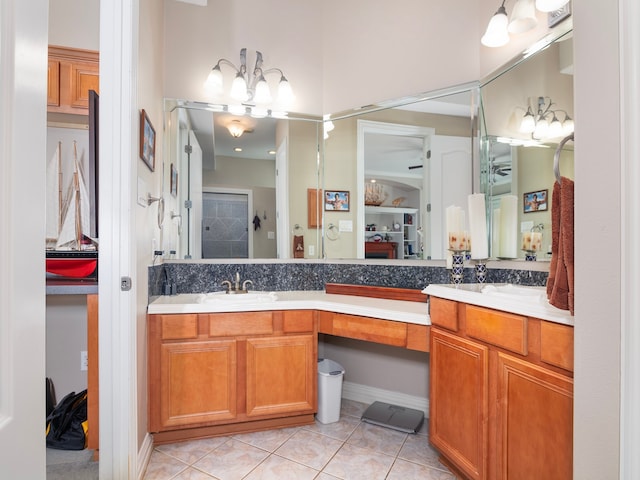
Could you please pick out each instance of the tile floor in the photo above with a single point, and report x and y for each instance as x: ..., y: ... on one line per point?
x: 347, y: 449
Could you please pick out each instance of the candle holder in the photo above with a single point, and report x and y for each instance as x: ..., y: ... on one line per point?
x: 481, y: 270
x: 530, y: 255
x: 457, y: 266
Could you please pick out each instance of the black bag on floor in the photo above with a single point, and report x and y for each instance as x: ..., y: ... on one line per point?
x: 67, y: 423
x: 50, y: 392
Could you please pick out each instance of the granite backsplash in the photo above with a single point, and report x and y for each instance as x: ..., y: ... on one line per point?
x: 189, y: 277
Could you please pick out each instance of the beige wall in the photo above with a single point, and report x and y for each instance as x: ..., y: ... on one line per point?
x: 150, y: 94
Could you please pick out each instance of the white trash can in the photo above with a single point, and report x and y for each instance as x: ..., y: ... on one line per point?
x: 330, y: 375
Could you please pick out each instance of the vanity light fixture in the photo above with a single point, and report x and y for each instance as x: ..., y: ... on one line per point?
x: 523, y: 18
x: 545, y: 122
x: 251, y: 87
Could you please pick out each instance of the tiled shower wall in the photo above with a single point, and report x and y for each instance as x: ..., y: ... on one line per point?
x: 304, y: 275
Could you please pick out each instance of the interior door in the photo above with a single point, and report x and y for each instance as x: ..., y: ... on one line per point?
x: 23, y: 91
x: 451, y: 183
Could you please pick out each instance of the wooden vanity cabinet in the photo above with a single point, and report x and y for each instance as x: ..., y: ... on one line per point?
x: 501, y: 393
x: 239, y: 370
x: 71, y: 74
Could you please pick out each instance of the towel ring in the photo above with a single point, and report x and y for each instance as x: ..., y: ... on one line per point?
x: 332, y: 232
x: 556, y: 157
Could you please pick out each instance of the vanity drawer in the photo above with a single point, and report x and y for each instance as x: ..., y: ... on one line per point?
x: 178, y: 327
x: 298, y: 321
x: 501, y: 329
x: 242, y: 323
x: 443, y: 313
x: 556, y: 345
x: 375, y: 330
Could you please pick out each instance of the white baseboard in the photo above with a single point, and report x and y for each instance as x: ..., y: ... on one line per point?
x: 366, y: 394
x: 144, y: 454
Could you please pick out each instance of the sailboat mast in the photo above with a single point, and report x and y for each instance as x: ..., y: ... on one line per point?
x: 59, y: 153
x: 76, y: 188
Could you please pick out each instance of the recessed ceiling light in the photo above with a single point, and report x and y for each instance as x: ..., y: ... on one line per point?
x: 272, y: 152
x: 237, y: 149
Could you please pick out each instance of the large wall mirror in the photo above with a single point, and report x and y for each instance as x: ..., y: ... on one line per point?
x: 236, y: 185
x: 392, y: 168
x: 403, y: 164
x: 517, y: 155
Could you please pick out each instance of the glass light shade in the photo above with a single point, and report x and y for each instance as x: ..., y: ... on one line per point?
x: 235, y: 129
x: 213, y: 83
x: 523, y: 17
x: 263, y: 94
x: 239, y: 89
x: 550, y: 5
x: 567, y: 126
x: 528, y: 124
x: 496, y: 34
x: 542, y: 129
x: 285, y: 93
x: 237, y: 109
x: 555, y: 128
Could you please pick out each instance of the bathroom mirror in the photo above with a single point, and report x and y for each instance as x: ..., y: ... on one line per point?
x: 231, y: 189
x: 517, y: 171
x: 396, y: 160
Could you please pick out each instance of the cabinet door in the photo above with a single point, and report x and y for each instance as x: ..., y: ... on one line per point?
x: 281, y: 375
x: 458, y: 401
x: 198, y: 382
x: 534, y: 422
x: 53, y: 83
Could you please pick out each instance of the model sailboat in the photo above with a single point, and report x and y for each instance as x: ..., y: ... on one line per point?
x: 70, y: 251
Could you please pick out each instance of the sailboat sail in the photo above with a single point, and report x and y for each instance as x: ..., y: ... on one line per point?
x: 75, y: 209
x: 54, y: 195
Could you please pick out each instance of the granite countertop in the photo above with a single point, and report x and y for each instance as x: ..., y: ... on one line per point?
x: 397, y: 310
x: 518, y: 299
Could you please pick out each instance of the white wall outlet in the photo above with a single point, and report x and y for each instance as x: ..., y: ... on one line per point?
x: 84, y: 361
x: 312, y: 250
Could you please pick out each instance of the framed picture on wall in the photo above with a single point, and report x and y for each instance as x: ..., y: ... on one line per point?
x: 147, y: 141
x: 336, y: 200
x: 174, y: 180
x: 535, y: 201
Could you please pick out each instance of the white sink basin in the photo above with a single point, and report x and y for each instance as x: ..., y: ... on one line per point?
x: 238, y: 298
x: 515, y: 291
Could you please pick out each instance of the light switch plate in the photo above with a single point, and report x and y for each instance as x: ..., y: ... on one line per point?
x: 345, y: 226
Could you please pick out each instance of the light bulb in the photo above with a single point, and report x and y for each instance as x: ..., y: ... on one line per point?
x: 496, y: 34
x: 285, y: 93
x: 542, y: 129
x: 550, y: 5
x: 555, y: 128
x: 239, y: 88
x: 523, y: 17
x: 528, y: 124
x: 263, y: 94
x: 213, y: 83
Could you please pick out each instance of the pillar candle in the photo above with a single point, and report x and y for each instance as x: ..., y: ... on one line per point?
x: 478, y: 226
x: 508, y: 226
x: 495, y: 233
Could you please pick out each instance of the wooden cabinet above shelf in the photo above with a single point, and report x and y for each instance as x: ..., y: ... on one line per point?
x: 71, y: 74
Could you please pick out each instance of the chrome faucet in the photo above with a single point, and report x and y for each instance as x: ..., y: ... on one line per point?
x: 234, y: 287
